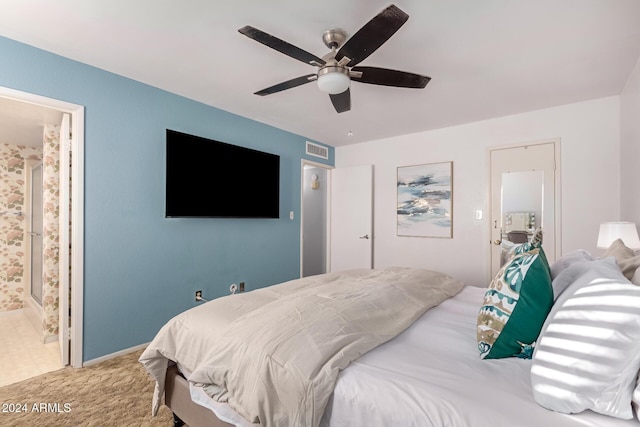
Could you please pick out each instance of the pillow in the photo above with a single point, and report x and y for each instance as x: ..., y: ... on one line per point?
x: 636, y: 399
x: 618, y: 250
x: 570, y: 274
x: 627, y: 260
x: 507, y: 249
x: 636, y: 277
x: 515, y: 306
x: 566, y: 260
x: 536, y: 239
x: 535, y: 242
x: 629, y: 266
x: 588, y: 353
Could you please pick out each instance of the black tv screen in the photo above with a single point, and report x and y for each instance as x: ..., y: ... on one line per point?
x: 213, y: 179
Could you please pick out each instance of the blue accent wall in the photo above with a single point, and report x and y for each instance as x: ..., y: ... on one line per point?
x: 141, y: 268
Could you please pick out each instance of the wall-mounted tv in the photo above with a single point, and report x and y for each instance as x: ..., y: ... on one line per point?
x: 213, y: 179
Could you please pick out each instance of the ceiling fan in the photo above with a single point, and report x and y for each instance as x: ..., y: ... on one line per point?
x: 339, y: 67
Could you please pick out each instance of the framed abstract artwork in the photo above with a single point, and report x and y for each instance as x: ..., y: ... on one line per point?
x: 425, y: 200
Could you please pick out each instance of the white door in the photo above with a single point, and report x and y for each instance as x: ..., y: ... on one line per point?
x: 64, y: 282
x: 351, y: 218
x: 533, y: 166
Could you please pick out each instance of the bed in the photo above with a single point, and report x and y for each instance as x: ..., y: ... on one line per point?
x: 424, y: 371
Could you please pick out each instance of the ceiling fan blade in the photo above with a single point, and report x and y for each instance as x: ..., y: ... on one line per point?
x: 386, y: 77
x: 281, y: 45
x: 298, y: 81
x: 342, y: 101
x: 372, y: 35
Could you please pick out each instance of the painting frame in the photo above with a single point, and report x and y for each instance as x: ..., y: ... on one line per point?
x: 425, y: 200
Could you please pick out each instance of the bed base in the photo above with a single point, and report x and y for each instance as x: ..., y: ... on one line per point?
x: 178, y: 399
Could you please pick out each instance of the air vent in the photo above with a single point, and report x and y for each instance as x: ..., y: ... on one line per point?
x: 317, y: 150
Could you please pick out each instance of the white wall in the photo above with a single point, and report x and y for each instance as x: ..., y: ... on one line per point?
x: 590, y: 154
x: 630, y: 147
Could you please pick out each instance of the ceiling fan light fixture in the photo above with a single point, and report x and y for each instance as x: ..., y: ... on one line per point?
x: 333, y: 80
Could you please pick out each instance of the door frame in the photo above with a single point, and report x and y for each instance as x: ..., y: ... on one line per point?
x: 557, y: 194
x: 303, y: 163
x: 77, y: 209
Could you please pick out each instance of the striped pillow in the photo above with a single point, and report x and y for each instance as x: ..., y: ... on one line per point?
x: 588, y: 353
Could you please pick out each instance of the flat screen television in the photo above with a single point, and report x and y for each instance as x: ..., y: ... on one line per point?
x: 212, y: 179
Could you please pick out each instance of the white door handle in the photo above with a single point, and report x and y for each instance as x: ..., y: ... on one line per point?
x: 366, y: 236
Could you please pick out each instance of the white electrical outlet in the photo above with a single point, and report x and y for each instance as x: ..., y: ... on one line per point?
x: 478, y: 214
x: 233, y: 288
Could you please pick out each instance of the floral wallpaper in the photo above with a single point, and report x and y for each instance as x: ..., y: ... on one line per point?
x: 13, y: 289
x: 12, y: 182
x: 51, y: 220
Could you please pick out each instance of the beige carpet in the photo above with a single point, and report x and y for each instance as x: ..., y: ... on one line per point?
x: 116, y: 392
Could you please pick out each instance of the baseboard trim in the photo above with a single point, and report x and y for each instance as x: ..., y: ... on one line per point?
x: 116, y: 354
x: 50, y: 338
x: 10, y: 313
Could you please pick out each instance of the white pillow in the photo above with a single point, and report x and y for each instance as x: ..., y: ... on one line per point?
x: 588, y: 353
x: 567, y: 259
x: 569, y: 274
x: 636, y: 399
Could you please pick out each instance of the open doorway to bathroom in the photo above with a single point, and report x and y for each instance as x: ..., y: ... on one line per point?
x: 36, y: 284
x: 314, y: 221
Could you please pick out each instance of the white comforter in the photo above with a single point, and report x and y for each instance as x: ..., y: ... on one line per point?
x: 431, y: 375
x: 274, y: 354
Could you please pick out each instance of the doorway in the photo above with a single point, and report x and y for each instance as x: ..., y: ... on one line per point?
x: 314, y: 223
x: 13, y: 102
x: 524, y: 196
x: 336, y: 227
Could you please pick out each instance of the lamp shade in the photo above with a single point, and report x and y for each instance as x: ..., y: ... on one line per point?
x: 611, y: 231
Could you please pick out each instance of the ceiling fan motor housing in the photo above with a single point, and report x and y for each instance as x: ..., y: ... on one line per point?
x: 334, y: 38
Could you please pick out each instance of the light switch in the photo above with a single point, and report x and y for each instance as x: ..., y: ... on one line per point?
x: 478, y: 214
x: 290, y: 214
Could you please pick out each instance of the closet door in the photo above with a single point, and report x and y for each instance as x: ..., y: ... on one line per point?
x: 351, y: 218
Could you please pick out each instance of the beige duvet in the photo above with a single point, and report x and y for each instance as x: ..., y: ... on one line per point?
x: 274, y: 354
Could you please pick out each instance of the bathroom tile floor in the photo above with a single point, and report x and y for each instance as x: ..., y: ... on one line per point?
x: 22, y: 353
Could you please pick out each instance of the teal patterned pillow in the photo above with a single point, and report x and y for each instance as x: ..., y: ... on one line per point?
x: 535, y: 242
x: 515, y: 307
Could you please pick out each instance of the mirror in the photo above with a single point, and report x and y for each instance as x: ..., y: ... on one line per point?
x: 520, y: 208
x: 522, y: 195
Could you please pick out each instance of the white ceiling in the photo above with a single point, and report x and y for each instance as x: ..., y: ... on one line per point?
x: 486, y: 58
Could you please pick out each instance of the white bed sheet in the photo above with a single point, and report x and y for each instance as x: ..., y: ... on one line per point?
x: 432, y: 375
